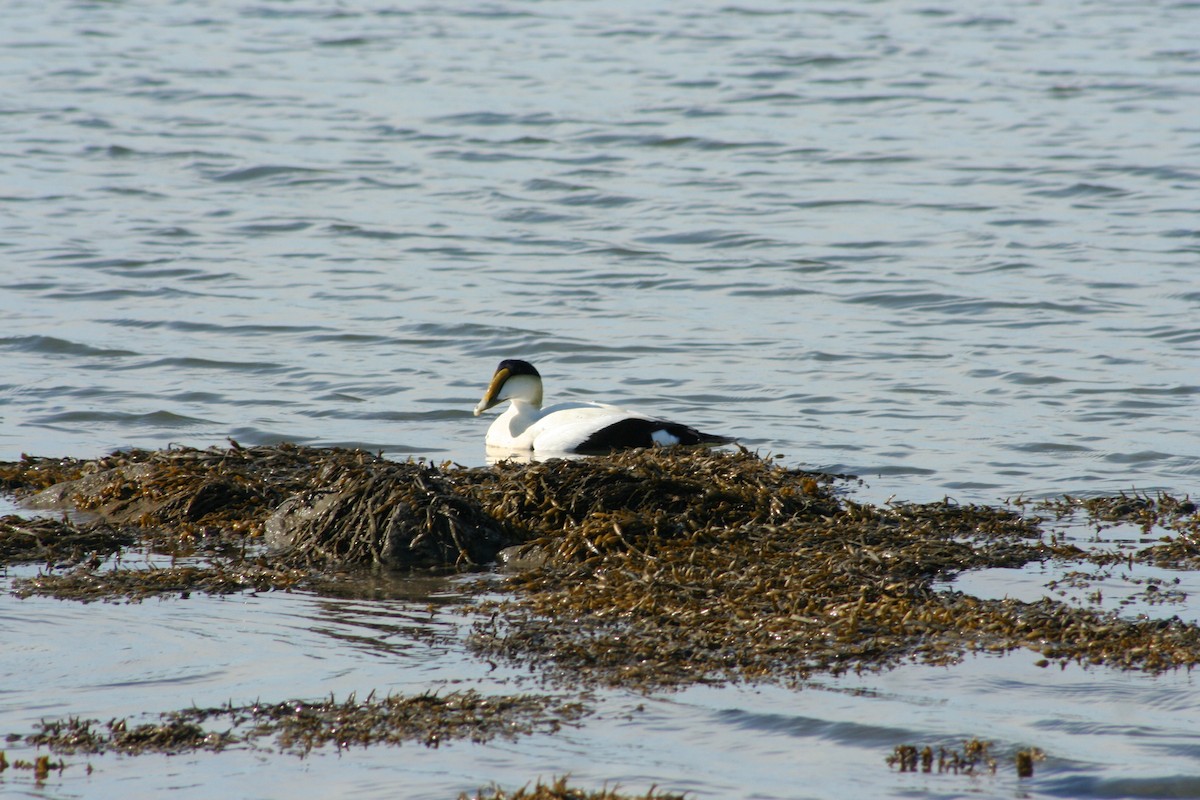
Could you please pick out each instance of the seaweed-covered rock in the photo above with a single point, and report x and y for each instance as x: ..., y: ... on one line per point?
x: 108, y: 492
x: 188, y: 490
x: 317, y: 506
x: 397, y: 515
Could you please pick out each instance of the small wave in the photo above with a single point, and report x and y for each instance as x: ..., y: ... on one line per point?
x: 342, y: 229
x: 349, y: 41
x: 1048, y: 447
x: 709, y: 237
x: 191, y: 326
x: 262, y: 173
x: 193, y: 363
x: 891, y: 470
x: 597, y: 200
x: 145, y: 291
x: 274, y: 227
x: 1023, y: 222
x: 858, y: 734
x: 683, y: 142
x: 161, y: 419
x: 814, y: 60
x: 1141, y: 457
x: 1082, y: 190
x: 769, y: 98
x: 463, y: 413
x: 535, y: 216
x: 55, y: 346
x: 492, y: 118
x: 1176, y: 335
x: 549, y: 185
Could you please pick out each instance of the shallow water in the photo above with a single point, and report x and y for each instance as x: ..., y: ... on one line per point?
x: 950, y: 250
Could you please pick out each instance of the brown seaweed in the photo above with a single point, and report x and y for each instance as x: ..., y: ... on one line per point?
x: 560, y: 789
x: 57, y: 542
x: 300, y: 726
x: 646, y: 568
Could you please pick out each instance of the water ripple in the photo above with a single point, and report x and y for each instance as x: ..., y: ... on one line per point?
x: 51, y: 345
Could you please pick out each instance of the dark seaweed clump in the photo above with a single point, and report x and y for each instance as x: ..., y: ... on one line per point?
x: 392, y: 514
x: 560, y: 789
x: 194, y: 493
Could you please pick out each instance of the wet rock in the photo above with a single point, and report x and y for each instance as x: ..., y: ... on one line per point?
x: 522, y: 557
x: 108, y: 493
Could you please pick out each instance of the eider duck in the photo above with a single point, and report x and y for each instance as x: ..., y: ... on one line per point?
x: 585, y: 428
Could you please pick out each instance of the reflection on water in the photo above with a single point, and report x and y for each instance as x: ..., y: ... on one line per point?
x: 376, y: 624
x: 494, y: 455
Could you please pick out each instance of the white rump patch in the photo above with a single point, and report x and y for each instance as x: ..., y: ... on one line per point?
x: 663, y: 438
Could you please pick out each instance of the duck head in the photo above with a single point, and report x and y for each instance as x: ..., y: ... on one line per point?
x: 513, y: 380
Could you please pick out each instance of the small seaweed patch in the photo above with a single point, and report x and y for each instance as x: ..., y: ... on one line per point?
x: 57, y: 542
x: 560, y: 789
x: 41, y: 767
x: 88, y: 582
x: 299, y: 726
x: 1146, y: 510
x: 975, y: 757
x: 1178, y: 517
x: 173, y: 736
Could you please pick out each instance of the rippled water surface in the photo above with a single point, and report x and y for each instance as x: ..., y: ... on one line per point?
x: 952, y: 249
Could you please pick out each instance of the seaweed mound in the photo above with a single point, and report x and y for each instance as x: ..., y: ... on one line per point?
x: 396, y: 515
x: 698, y: 487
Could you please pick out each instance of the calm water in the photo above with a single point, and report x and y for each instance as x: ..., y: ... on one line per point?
x: 954, y: 251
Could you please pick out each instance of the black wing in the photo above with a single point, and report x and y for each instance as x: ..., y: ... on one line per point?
x: 637, y: 432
